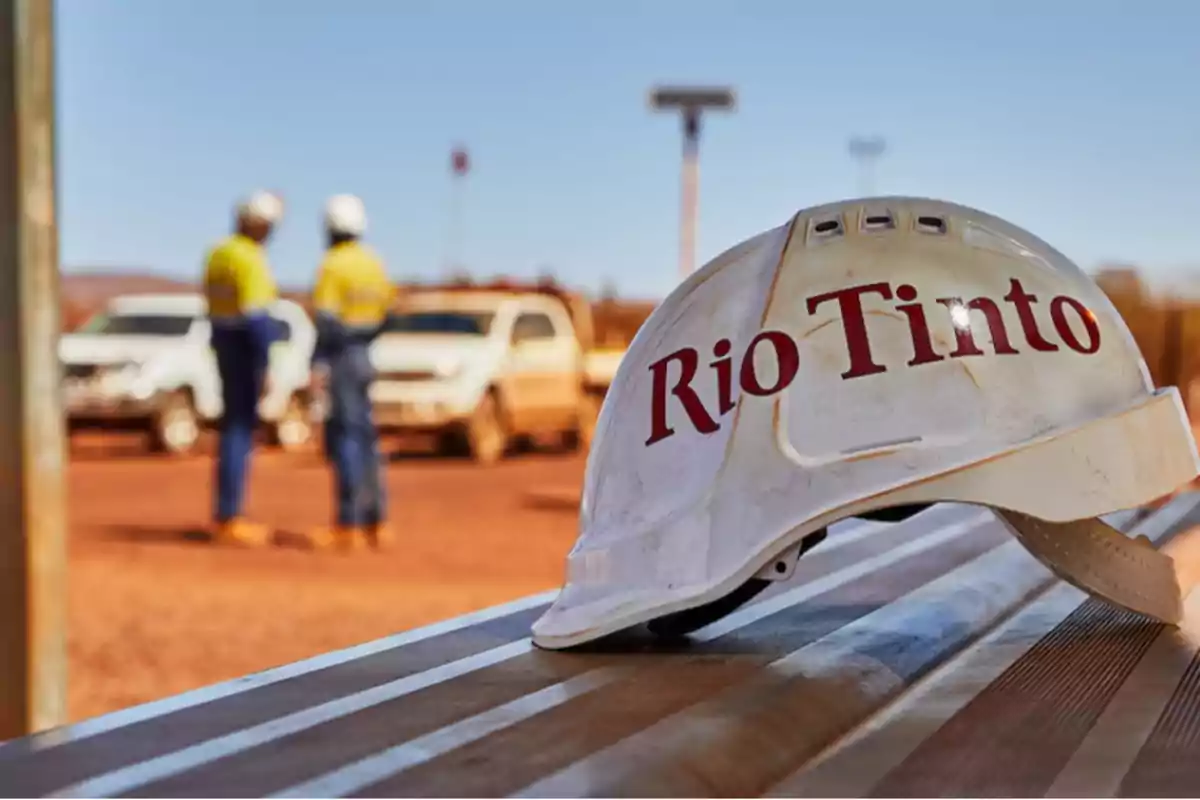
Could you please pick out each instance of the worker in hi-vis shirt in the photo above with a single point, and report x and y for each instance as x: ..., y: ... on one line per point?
x: 351, y: 303
x: 240, y: 291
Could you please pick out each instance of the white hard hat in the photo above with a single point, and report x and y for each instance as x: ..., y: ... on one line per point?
x: 263, y: 206
x: 345, y: 214
x: 885, y: 353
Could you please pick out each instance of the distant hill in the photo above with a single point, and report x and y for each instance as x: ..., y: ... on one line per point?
x: 84, y: 293
x: 1140, y: 302
x: 89, y: 286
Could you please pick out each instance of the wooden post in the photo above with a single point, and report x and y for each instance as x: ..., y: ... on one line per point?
x: 32, y: 453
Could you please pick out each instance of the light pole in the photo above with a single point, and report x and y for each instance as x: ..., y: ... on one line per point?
x: 690, y: 102
x: 866, y: 150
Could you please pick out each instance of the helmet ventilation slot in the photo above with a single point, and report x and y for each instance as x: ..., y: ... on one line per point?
x: 878, y: 221
x: 828, y: 228
x: 927, y: 223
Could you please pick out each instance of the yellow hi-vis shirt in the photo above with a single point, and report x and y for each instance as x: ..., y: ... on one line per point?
x: 237, y: 279
x: 353, y: 286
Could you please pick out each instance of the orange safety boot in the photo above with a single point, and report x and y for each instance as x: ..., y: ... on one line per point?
x: 381, y: 536
x: 241, y: 532
x: 338, y: 538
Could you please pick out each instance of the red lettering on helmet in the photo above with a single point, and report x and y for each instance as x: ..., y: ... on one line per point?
x: 1058, y: 315
x: 964, y: 338
x: 787, y: 356
x: 724, y: 367
x: 1023, y: 302
x: 858, y: 347
x: 854, y: 324
x: 995, y: 322
x: 697, y: 414
x: 918, y: 327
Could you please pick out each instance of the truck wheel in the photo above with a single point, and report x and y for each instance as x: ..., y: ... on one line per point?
x: 580, y: 437
x: 293, y: 432
x: 175, y: 429
x: 487, y: 437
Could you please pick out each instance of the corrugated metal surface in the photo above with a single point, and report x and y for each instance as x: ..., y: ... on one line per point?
x: 928, y: 658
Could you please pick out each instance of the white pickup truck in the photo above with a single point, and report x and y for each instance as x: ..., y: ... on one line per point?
x: 483, y: 368
x: 145, y: 362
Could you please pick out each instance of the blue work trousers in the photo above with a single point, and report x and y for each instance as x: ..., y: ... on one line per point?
x: 352, y: 440
x: 242, y: 376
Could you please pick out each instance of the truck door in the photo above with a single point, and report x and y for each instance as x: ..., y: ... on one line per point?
x: 543, y: 370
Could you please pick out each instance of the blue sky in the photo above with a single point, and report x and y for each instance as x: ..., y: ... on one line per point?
x: 1082, y: 125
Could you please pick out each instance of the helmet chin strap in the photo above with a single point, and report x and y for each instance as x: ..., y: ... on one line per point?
x: 1092, y: 556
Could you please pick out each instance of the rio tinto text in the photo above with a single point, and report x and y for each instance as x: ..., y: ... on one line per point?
x: 1074, y: 326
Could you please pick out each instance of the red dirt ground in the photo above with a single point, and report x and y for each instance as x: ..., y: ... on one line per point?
x: 154, y: 612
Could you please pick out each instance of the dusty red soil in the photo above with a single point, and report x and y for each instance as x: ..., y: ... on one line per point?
x: 154, y: 611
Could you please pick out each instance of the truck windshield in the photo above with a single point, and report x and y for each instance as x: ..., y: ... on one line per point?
x: 138, y: 325
x: 474, y: 323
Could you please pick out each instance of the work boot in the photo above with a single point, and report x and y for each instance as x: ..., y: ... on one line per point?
x: 338, y: 538
x: 381, y: 536
x: 241, y: 532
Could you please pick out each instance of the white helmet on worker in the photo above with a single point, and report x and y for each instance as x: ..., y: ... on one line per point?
x: 345, y: 215
x: 262, y: 207
x: 868, y: 358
